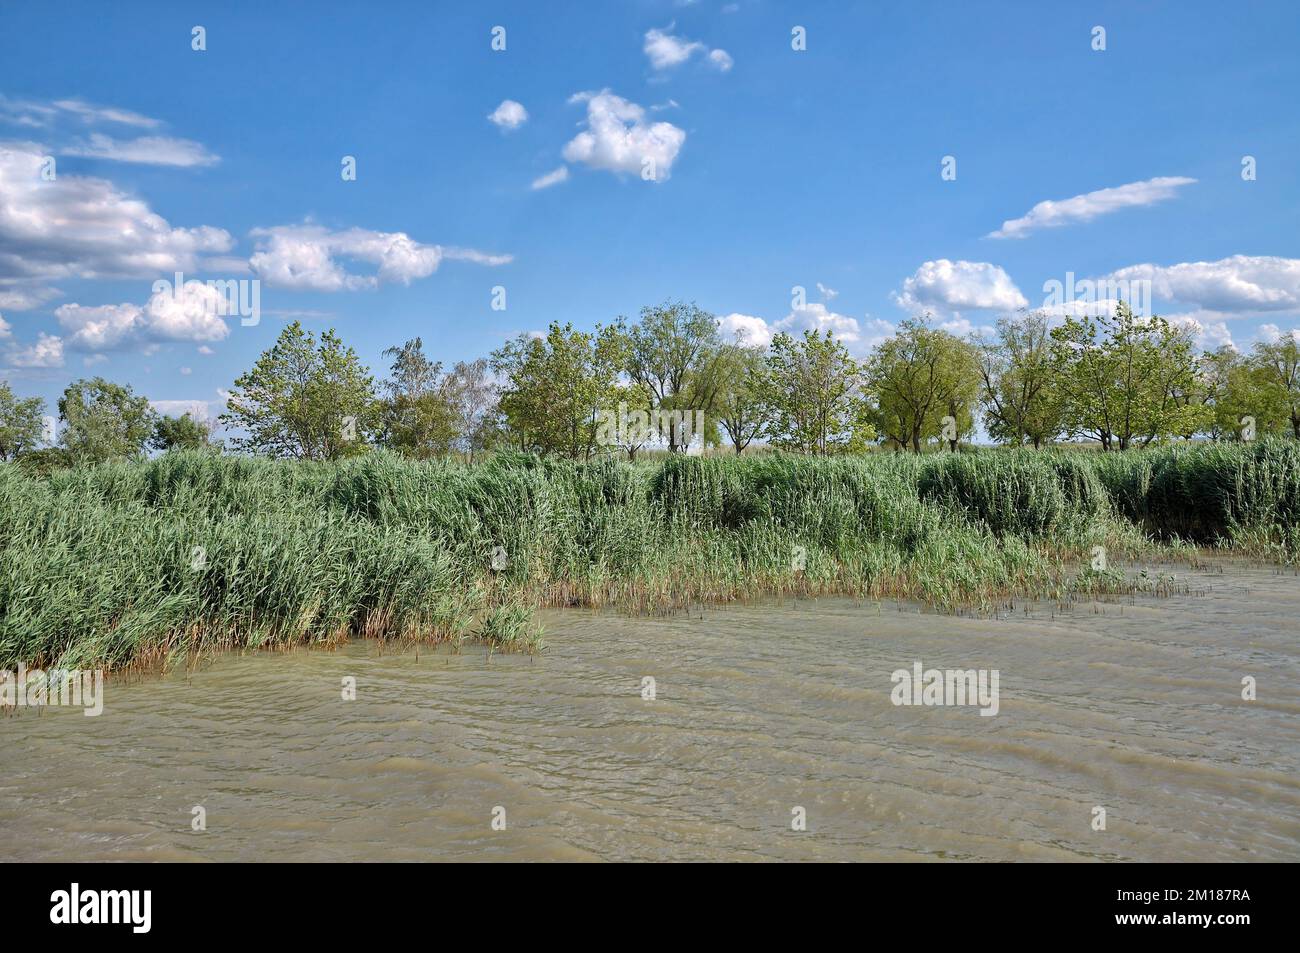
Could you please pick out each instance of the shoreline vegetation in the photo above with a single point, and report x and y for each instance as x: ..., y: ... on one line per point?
x: 151, y: 563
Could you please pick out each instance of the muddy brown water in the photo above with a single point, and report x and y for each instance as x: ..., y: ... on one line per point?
x: 760, y: 710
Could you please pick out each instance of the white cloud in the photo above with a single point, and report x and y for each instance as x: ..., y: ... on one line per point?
x: 509, y: 115
x: 826, y: 293
x: 83, y: 227
x: 147, y: 150
x: 94, y: 114
x: 814, y: 316
x: 666, y: 51
x: 24, y: 296
x: 618, y: 138
x: 223, y: 265
x: 858, y: 336
x: 46, y: 352
x: 304, y: 256
x: 946, y: 287
x: 1272, y: 333
x: 101, y: 327
x: 1209, y: 334
x: 4, y: 328
x: 1084, y: 208
x: 745, y: 329
x: 195, y: 313
x: 555, y: 177
x: 1240, y: 285
x: 198, y: 409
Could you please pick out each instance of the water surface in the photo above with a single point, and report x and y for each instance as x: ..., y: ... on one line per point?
x: 1133, y: 705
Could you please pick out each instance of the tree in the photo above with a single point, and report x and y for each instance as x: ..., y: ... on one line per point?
x: 20, y: 423
x: 920, y: 376
x: 303, y: 400
x: 1020, y: 403
x: 741, y: 411
x: 185, y: 432
x: 674, y: 353
x: 103, y: 421
x: 558, y: 388
x: 812, y: 395
x: 471, y: 396
x: 1278, y: 367
x: 416, y: 418
x: 1125, y: 379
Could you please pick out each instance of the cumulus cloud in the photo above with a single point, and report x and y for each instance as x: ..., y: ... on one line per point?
x: 509, y: 115
x: 554, y: 177
x: 194, y: 313
x: 1084, y: 208
x: 46, y: 352
x: 147, y: 150
x: 1208, y: 333
x: 826, y: 293
x: 84, y: 227
x: 745, y: 329
x: 619, y: 139
x: 949, y: 287
x: 666, y: 51
x: 858, y: 336
x: 1272, y: 333
x: 307, y: 257
x: 1240, y: 285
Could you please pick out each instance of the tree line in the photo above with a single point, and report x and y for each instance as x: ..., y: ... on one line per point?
x: 1119, y: 379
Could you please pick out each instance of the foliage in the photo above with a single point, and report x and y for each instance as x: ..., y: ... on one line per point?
x: 103, y: 421
x: 303, y: 400
x: 21, y: 423
x: 812, y: 395
x: 920, y: 376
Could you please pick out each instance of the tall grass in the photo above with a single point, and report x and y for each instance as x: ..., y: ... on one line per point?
x: 136, y: 563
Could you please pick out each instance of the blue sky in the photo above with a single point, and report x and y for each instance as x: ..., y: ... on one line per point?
x: 774, y: 168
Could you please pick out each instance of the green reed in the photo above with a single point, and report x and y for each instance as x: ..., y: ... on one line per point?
x: 154, y: 562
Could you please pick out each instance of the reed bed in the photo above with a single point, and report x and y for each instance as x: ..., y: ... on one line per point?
x: 145, y: 563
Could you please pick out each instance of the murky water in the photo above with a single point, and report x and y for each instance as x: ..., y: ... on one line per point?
x: 1134, y: 706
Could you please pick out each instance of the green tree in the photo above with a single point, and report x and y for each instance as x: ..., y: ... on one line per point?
x: 103, y: 421
x: 1278, y: 366
x: 1124, y: 379
x: 303, y: 400
x: 812, y: 395
x: 470, y: 393
x: 740, y: 408
x: 675, y: 354
x: 185, y: 432
x: 416, y: 418
x: 920, y: 376
x: 557, y: 389
x: 21, y: 423
x: 1020, y: 403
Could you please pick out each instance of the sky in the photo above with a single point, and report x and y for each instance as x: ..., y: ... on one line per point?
x: 936, y: 158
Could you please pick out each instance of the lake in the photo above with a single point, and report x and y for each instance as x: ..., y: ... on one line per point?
x: 772, y: 734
